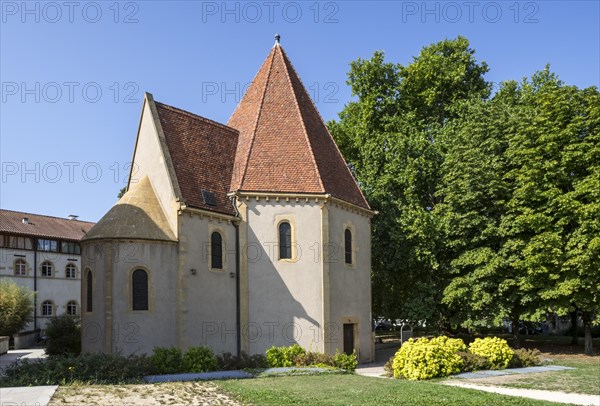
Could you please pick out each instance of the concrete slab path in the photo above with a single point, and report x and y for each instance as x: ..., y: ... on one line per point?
x: 551, y: 396
x: 13, y: 356
x: 27, y: 396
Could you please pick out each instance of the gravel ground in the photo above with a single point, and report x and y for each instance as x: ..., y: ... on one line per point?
x: 172, y: 393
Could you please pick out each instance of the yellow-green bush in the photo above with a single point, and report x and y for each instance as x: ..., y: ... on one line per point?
x: 495, y: 349
x: 453, y: 344
x: 424, y: 359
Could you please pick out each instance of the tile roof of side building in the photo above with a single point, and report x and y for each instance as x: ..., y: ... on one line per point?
x: 203, y: 154
x: 42, y: 226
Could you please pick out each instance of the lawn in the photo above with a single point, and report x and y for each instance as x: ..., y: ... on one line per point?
x: 584, y: 379
x: 358, y: 390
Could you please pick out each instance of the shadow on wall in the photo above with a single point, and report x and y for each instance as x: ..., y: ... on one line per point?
x: 274, y: 309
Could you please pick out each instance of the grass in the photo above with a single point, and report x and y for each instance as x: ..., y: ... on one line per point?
x: 585, y: 378
x: 359, y: 390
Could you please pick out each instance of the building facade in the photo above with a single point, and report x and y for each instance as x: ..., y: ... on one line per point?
x: 43, y: 254
x: 238, y: 236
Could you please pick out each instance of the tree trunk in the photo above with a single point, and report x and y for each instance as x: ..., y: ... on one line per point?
x: 574, y: 329
x: 515, y: 332
x: 587, y: 326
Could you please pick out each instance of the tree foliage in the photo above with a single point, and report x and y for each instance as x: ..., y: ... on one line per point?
x: 488, y: 204
x: 390, y: 138
x: 16, y: 307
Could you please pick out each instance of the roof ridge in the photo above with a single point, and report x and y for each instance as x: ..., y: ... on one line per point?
x: 45, y: 215
x: 262, y: 101
x: 327, y: 129
x: 287, y: 62
x: 196, y: 116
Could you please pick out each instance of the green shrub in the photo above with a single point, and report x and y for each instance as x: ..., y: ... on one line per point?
x: 167, y: 360
x: 525, y: 358
x: 93, y: 369
x: 283, y: 356
x: 321, y: 360
x: 299, y: 357
x: 389, y: 368
x: 311, y: 358
x: 345, y: 361
x: 227, y: 361
x: 16, y: 307
x: 495, y: 349
x: 64, y: 335
x: 473, y: 362
x: 425, y: 359
x: 199, y: 359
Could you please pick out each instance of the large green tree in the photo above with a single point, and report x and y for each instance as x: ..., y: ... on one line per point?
x: 389, y: 135
x: 485, y: 286
x: 520, y: 204
x: 488, y: 207
x: 553, y: 223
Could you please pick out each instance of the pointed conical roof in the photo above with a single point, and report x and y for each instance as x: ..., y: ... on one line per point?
x: 283, y: 144
x: 137, y: 215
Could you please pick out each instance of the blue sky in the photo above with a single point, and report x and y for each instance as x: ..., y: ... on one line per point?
x: 73, y: 74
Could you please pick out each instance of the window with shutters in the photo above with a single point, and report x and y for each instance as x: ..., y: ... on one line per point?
x: 139, y: 290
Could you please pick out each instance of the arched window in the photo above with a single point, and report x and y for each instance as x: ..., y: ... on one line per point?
x: 285, y: 240
x: 47, y: 269
x: 216, y: 250
x: 348, y: 246
x: 70, y: 271
x: 72, y: 308
x: 20, y: 267
x: 47, y: 308
x: 89, y: 284
x: 139, y: 290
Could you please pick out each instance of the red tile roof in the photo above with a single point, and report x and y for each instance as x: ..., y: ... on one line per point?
x: 284, y: 145
x: 203, y: 153
x: 275, y: 141
x: 11, y: 222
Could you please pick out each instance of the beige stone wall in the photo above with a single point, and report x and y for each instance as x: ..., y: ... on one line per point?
x: 285, y: 297
x: 350, y: 285
x: 113, y: 326
x: 148, y: 160
x: 207, y: 296
x: 93, y: 330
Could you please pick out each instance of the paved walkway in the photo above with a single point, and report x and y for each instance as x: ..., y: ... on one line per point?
x: 13, y: 356
x: 235, y: 374
x: 24, y: 396
x: 27, y: 396
x: 551, y: 396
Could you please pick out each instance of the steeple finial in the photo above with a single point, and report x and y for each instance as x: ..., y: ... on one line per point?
x: 277, y: 38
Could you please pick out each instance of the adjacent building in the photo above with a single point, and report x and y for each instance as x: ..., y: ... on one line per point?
x: 238, y: 237
x: 43, y: 254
